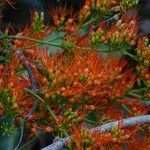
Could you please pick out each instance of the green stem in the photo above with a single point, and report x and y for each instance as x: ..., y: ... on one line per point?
x: 94, y: 122
x: 126, y: 109
x: 48, y: 108
x: 42, y: 100
x: 134, y: 95
x: 139, y: 90
x: 129, y: 55
x: 28, y: 39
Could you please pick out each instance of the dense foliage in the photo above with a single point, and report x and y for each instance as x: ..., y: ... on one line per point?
x: 85, y: 71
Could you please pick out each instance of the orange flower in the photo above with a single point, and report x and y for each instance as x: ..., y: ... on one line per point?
x: 86, y: 74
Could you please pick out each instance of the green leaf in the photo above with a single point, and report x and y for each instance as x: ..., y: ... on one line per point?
x: 55, y: 38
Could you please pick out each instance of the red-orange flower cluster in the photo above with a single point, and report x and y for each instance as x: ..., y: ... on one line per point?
x: 86, y: 75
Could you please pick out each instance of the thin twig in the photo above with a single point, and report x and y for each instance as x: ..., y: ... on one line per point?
x: 33, y: 88
x: 139, y: 120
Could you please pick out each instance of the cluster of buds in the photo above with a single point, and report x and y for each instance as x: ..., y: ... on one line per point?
x: 117, y: 132
x: 81, y: 138
x: 99, y: 6
x: 104, y: 6
x: 8, y: 105
x: 143, y: 53
x: 84, y: 138
x: 37, y: 23
x: 63, y: 17
x: 66, y: 121
x: 127, y: 4
x: 117, y: 36
x: 12, y: 82
x: 85, y: 11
